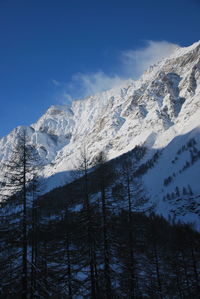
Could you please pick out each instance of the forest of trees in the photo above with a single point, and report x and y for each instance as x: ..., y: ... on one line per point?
x: 96, y: 237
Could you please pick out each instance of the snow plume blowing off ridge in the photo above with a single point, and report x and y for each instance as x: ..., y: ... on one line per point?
x: 135, y: 62
x: 131, y: 64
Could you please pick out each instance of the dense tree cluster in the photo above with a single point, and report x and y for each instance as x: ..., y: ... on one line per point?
x: 94, y: 238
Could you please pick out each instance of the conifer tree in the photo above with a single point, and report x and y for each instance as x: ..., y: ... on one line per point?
x: 89, y: 222
x: 19, y: 172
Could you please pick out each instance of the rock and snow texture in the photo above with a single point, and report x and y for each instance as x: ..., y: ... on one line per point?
x: 160, y: 110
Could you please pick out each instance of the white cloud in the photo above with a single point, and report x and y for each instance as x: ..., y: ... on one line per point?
x: 55, y: 82
x: 135, y: 62
x: 92, y: 83
x: 132, y: 63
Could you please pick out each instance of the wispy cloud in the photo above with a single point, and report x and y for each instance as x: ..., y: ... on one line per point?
x: 131, y: 64
x: 93, y: 83
x: 55, y: 82
x: 135, y: 62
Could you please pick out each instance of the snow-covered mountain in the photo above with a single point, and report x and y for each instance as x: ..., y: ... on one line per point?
x: 161, y: 110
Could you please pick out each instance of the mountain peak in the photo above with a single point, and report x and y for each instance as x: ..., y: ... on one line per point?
x: 186, y: 50
x: 154, y: 111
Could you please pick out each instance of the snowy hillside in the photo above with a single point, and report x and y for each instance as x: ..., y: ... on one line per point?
x: 161, y: 110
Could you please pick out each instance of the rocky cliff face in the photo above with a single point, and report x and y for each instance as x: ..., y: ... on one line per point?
x: 160, y: 110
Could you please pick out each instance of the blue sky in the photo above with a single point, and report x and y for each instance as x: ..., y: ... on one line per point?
x: 55, y: 50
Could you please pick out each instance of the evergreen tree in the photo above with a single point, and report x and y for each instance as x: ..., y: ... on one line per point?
x: 19, y: 172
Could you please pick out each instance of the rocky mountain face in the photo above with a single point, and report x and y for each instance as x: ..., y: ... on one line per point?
x: 161, y: 110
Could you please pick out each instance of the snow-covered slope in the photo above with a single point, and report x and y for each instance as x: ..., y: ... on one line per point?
x: 160, y: 110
